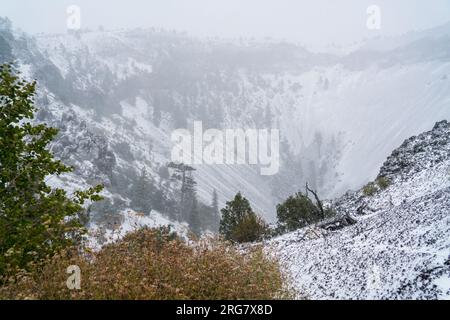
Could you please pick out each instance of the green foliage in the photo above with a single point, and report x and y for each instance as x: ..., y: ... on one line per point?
x: 199, y: 215
x: 249, y: 229
x: 370, y: 189
x: 5, y: 50
x: 36, y: 221
x: 298, y: 211
x: 215, y: 202
x: 213, y: 218
x: 183, y: 173
x: 203, y: 217
x: 239, y: 223
x: 142, y: 193
x: 383, y: 183
x: 194, y: 217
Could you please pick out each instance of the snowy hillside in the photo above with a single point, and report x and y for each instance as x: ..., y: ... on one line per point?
x: 399, y: 248
x: 116, y: 96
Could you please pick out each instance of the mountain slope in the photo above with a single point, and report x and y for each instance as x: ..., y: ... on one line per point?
x: 400, y: 246
x: 116, y: 97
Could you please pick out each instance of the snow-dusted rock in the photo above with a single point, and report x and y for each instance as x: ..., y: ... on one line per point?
x: 400, y: 248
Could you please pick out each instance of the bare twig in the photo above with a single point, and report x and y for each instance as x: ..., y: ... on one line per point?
x: 319, y: 203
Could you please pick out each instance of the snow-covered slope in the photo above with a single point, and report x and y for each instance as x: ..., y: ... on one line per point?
x: 99, y: 235
x: 116, y: 96
x: 340, y: 116
x: 400, y: 245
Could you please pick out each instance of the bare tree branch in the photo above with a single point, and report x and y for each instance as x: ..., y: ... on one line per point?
x: 319, y: 203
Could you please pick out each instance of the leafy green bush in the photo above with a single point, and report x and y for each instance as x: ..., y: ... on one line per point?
x: 36, y: 221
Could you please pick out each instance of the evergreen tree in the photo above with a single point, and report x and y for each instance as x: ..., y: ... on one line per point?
x: 296, y: 212
x: 318, y: 142
x: 36, y: 221
x: 194, y: 217
x: 183, y: 173
x: 251, y: 228
x: 163, y: 172
x: 189, y: 208
x: 141, y: 193
x: 215, y: 203
x: 299, y: 210
x: 214, y: 214
x: 239, y: 223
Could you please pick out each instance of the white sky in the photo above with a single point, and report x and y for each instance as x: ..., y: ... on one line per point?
x: 314, y: 22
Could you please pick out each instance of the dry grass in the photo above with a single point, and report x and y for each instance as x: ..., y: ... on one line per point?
x: 149, y: 264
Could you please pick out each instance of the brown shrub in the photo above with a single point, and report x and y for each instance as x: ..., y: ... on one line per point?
x: 150, y: 264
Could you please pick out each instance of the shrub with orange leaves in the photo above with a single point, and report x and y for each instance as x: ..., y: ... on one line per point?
x: 154, y: 264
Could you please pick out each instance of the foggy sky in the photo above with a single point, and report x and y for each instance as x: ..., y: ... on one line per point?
x: 317, y: 22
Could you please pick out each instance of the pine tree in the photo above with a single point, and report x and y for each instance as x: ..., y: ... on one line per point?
x: 215, y: 203
x: 141, y: 193
x: 194, y: 217
x: 239, y: 223
x: 299, y: 210
x: 183, y: 173
x: 36, y: 221
x: 251, y: 228
x: 188, y: 205
x: 213, y: 213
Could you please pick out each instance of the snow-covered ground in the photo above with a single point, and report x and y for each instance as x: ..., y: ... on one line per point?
x: 400, y: 246
x: 130, y: 221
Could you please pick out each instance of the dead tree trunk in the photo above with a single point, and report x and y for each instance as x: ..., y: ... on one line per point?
x: 319, y: 203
